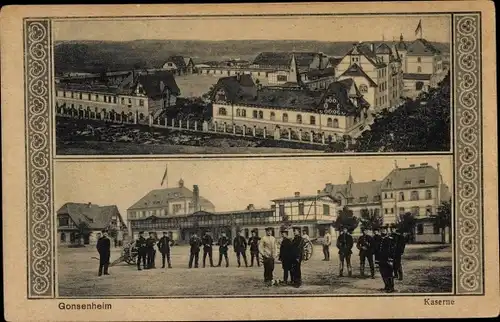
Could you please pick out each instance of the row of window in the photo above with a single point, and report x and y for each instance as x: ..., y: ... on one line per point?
x: 381, y: 100
x: 382, y: 87
x: 414, y: 195
x: 176, y: 209
x: 326, y: 210
x: 272, y: 116
x: 229, y: 72
x: 106, y: 98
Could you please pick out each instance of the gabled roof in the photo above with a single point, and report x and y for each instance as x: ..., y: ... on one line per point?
x: 187, y: 60
x: 364, y: 50
x: 234, y: 86
x: 397, y: 177
x: 421, y: 47
x: 334, y: 61
x: 341, y: 90
x: 161, y: 197
x: 97, y: 217
x: 356, y: 70
x: 383, y: 49
x: 178, y: 61
x: 152, y: 83
x: 355, y: 190
x: 303, y: 59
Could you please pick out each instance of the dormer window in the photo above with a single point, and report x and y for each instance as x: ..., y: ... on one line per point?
x: 407, y: 182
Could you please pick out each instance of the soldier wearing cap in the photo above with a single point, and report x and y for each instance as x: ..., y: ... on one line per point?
x: 140, y: 244
x: 223, y: 243
x: 104, y: 249
x: 194, y: 252
x: 344, y: 244
x: 365, y: 246
x: 164, y: 247
x: 207, y: 242
x: 400, y: 242
x: 267, y: 249
x: 297, y: 253
x: 150, y: 249
x: 285, y: 255
x: 253, y: 241
x: 386, y: 260
x: 377, y: 239
x: 240, y: 248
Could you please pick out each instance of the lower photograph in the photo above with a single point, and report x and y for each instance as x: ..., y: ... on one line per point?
x: 365, y: 226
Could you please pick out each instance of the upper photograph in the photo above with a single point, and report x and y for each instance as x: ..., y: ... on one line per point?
x: 253, y: 85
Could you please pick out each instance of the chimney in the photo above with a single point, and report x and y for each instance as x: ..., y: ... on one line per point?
x: 372, y: 46
x: 181, y: 183
x: 319, y: 192
x: 90, y: 204
x: 250, y: 207
x: 297, y: 194
x: 196, y: 198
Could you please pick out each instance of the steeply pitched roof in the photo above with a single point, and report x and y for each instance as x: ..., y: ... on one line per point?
x: 303, y: 59
x: 415, y: 76
x: 397, y: 177
x: 356, y: 190
x: 178, y: 61
x: 161, y: 198
x: 356, y: 70
x: 421, y: 47
x: 152, y: 83
x: 334, y: 61
x: 364, y: 50
x: 234, y: 86
x: 383, y: 48
x: 97, y: 217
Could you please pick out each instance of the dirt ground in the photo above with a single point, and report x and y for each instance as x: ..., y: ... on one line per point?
x: 428, y: 269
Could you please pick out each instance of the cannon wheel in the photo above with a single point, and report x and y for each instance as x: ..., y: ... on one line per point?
x: 308, y: 250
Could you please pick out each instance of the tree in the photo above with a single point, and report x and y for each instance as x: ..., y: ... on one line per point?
x: 371, y: 218
x: 83, y: 231
x: 443, y: 219
x: 406, y: 223
x: 346, y: 219
x: 422, y: 124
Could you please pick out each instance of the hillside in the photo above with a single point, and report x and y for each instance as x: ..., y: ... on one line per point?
x: 95, y: 56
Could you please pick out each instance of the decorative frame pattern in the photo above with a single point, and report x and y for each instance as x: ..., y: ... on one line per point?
x: 468, y: 230
x: 468, y: 154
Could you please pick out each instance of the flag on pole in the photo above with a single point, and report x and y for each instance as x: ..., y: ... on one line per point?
x: 165, y: 176
x: 419, y: 28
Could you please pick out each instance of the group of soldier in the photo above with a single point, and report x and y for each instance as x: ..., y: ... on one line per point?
x: 384, y: 248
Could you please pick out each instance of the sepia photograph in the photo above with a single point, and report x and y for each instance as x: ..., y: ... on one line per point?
x: 202, y: 86
x: 254, y: 227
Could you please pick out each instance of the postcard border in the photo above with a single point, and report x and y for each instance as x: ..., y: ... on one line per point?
x: 467, y: 154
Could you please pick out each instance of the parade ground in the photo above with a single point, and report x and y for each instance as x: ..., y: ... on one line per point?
x: 428, y: 269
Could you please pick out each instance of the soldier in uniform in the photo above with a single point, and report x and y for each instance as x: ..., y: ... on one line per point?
x: 285, y: 255
x: 207, y: 242
x: 386, y: 260
x: 104, y: 248
x: 327, y: 241
x: 344, y: 244
x: 376, y: 244
x: 253, y: 241
x: 140, y: 244
x: 194, y: 253
x: 297, y: 253
x: 164, y: 247
x: 267, y: 249
x: 223, y: 246
x: 400, y: 241
x: 150, y: 249
x: 365, y: 246
x: 240, y: 248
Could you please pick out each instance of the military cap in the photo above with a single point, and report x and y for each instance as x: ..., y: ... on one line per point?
x: 141, y: 232
x: 284, y: 231
x: 165, y: 232
x: 269, y: 228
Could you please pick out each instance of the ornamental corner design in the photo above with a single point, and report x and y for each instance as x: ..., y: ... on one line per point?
x: 40, y: 223
x: 468, y: 154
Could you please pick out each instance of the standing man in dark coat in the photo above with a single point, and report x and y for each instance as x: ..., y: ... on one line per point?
x: 140, y: 244
x: 223, y: 246
x: 344, y: 244
x: 365, y: 246
x: 285, y: 255
x: 240, y: 248
x: 386, y: 260
x: 195, y: 243
x: 297, y: 253
x: 253, y: 241
x: 377, y: 239
x: 207, y: 248
x: 164, y: 247
x: 400, y: 241
x: 104, y: 249
x: 150, y: 246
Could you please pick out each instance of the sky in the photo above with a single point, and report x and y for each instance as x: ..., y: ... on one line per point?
x: 230, y: 184
x: 323, y: 28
